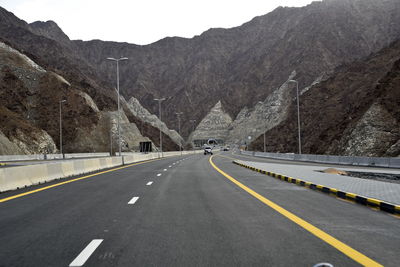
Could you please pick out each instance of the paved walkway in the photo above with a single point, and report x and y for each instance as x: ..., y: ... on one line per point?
x: 389, y: 192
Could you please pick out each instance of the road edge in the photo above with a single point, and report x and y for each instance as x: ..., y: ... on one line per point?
x: 356, y: 198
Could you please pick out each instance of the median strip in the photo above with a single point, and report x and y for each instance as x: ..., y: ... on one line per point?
x: 359, y: 199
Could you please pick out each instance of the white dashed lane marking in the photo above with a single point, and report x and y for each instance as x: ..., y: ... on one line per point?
x: 169, y: 166
x: 133, y: 200
x: 165, y: 170
x: 149, y: 183
x: 159, y: 174
x: 86, y: 253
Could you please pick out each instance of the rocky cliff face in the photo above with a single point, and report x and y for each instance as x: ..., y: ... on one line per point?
x: 139, y: 111
x: 244, y: 65
x: 29, y: 111
x: 33, y: 91
x: 215, y: 125
x: 354, y: 112
x: 241, y: 67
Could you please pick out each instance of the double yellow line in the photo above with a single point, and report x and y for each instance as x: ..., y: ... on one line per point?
x: 342, y: 247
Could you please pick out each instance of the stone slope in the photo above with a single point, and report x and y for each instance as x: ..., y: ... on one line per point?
x: 355, y: 112
x: 50, y: 48
x: 243, y: 65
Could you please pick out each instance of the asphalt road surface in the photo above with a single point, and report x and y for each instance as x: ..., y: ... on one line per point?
x: 182, y: 211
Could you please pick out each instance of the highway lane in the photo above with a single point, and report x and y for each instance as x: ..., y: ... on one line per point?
x: 189, y: 215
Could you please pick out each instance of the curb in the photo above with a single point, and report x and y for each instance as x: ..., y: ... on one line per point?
x: 370, y: 202
x: 3, y: 164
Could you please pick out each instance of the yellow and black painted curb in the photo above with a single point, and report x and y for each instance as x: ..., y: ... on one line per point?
x: 3, y: 164
x: 371, y: 202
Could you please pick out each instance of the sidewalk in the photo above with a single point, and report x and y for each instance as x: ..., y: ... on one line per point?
x: 384, y: 191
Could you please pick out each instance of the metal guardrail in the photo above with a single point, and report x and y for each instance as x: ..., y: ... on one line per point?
x: 345, y: 160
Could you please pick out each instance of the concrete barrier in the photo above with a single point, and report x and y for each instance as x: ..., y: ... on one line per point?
x: 331, y: 159
x: 18, y: 177
x: 394, y: 162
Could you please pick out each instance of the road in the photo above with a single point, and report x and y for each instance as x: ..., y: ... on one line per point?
x: 181, y: 211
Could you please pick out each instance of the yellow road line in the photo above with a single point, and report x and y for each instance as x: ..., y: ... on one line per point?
x: 342, y: 247
x: 70, y: 181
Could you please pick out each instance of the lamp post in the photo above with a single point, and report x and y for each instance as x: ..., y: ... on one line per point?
x: 119, y: 114
x: 193, y: 123
x: 264, y: 143
x: 298, y: 113
x: 159, y: 113
x: 178, y: 114
x: 61, y: 150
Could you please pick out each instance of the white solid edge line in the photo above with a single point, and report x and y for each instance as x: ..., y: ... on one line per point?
x: 133, y: 200
x: 86, y: 253
x: 149, y: 183
x: 159, y: 174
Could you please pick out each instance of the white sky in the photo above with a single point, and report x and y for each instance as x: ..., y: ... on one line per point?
x: 144, y: 21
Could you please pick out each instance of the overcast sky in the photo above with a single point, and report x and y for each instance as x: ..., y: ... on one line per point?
x: 142, y: 21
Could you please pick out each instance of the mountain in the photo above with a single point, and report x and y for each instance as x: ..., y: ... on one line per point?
x: 29, y: 96
x: 239, y: 77
x: 243, y: 65
x: 355, y: 112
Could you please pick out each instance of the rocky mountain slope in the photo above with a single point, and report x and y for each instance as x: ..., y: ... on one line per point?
x: 29, y: 111
x: 33, y: 95
x: 243, y: 65
x: 355, y: 112
x: 247, y: 69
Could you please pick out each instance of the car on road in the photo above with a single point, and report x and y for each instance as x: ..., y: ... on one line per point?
x: 208, y: 150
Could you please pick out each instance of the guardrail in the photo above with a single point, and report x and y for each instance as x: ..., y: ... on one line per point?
x: 344, y: 160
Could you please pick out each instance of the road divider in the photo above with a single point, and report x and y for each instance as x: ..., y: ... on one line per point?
x: 371, y: 202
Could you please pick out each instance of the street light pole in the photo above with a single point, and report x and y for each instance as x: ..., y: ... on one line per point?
x: 178, y: 114
x: 61, y: 150
x: 264, y: 143
x: 119, y: 113
x: 159, y: 112
x: 193, y: 122
x: 298, y: 113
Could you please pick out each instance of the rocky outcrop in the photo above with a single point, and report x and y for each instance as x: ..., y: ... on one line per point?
x: 29, y: 112
x: 375, y: 133
x: 263, y: 116
x: 215, y: 125
x: 43, y: 67
x: 354, y: 112
x: 139, y: 111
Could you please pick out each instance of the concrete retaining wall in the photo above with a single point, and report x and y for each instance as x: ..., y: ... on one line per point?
x: 345, y: 160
